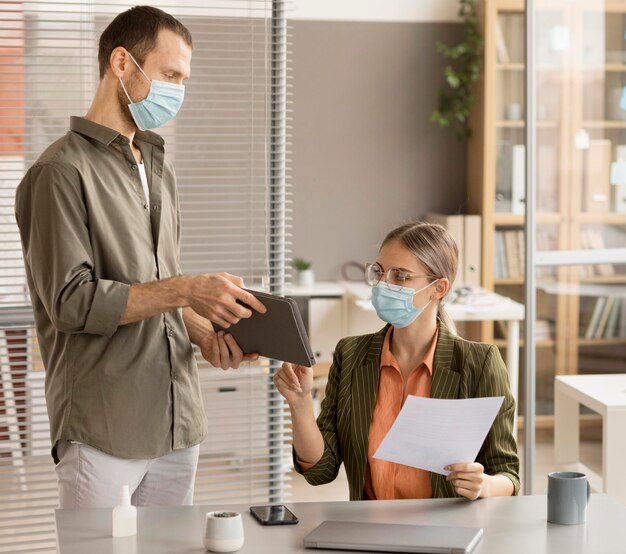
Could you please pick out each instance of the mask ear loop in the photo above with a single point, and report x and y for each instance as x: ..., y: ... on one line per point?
x: 428, y: 285
x: 125, y: 91
x: 139, y: 67
x: 143, y: 73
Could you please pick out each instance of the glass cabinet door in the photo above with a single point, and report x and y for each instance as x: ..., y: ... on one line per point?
x: 581, y: 181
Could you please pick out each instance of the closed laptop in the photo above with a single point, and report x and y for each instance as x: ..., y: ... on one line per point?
x: 393, y: 537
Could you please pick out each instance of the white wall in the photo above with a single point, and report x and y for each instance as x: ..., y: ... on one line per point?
x: 375, y: 10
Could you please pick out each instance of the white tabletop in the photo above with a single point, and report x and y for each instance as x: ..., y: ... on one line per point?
x: 609, y: 390
x: 512, y: 525
x: 319, y: 289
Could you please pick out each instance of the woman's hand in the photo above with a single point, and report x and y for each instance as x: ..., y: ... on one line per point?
x: 469, y: 480
x: 294, y: 382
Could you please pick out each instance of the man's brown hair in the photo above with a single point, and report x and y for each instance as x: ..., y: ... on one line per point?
x: 137, y: 30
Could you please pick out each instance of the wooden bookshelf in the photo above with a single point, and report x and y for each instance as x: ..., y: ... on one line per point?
x: 572, y: 95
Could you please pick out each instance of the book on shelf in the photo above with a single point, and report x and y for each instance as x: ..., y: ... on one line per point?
x: 604, y: 317
x: 509, y: 254
x: 544, y: 243
x: 543, y: 329
x: 594, y: 321
x: 467, y: 232
x: 612, y: 323
x: 586, y: 270
x: 592, y: 239
x: 521, y: 252
x: 512, y: 253
x: 597, y: 176
x: 608, y: 319
x: 621, y: 326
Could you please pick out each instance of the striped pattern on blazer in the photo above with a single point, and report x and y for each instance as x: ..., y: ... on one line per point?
x: 461, y: 369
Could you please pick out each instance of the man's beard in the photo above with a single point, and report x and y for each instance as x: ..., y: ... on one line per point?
x: 124, y: 109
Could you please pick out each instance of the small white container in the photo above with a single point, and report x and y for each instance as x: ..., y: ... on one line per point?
x: 124, y: 515
x: 223, y: 531
x: 306, y: 277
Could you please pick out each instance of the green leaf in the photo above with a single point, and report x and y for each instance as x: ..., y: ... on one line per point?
x: 455, y: 100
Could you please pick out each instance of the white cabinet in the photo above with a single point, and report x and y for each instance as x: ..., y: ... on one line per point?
x: 237, y: 408
x: 325, y: 324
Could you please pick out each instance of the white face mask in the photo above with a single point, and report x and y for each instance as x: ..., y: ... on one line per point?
x: 160, y: 106
x: 395, y: 305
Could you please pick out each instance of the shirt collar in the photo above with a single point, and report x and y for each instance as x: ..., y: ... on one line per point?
x: 106, y: 135
x: 388, y: 359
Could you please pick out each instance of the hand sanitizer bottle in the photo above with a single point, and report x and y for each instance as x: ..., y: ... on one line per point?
x: 124, y: 516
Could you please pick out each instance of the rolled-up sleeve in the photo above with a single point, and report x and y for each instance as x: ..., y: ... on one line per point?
x: 53, y: 222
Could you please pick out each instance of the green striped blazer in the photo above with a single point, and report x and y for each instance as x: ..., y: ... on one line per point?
x: 461, y: 369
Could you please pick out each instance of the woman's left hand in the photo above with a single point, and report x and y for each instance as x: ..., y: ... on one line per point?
x: 469, y: 480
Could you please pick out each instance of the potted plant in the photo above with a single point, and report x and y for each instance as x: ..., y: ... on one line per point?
x: 305, y: 275
x: 456, y: 99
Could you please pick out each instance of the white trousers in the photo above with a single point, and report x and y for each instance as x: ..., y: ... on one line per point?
x: 89, y: 478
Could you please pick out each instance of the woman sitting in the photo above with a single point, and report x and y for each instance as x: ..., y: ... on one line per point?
x: 416, y: 353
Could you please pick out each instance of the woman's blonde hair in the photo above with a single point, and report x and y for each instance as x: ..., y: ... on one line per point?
x: 435, y: 248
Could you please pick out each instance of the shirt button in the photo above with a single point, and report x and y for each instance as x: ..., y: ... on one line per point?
x: 146, y: 207
x: 134, y: 166
x: 174, y: 377
x: 170, y: 333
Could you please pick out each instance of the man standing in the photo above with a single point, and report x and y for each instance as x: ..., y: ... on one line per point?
x: 99, y: 221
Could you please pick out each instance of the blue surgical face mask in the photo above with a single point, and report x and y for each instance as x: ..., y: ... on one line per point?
x: 395, y: 305
x: 162, y: 103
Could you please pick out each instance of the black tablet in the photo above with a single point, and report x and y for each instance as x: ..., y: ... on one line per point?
x: 279, y: 333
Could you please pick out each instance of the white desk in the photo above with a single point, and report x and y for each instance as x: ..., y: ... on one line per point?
x: 606, y: 395
x: 498, y: 308
x: 512, y: 525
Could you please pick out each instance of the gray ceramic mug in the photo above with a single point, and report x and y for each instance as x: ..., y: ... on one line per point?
x: 568, y: 496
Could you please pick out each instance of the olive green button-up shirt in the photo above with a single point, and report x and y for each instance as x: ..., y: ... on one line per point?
x: 88, y: 233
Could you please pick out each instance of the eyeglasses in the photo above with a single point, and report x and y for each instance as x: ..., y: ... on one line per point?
x: 394, y: 277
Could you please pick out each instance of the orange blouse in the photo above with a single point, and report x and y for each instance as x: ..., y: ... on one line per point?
x: 388, y: 480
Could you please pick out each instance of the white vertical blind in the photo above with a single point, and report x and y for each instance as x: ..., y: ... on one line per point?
x: 228, y: 145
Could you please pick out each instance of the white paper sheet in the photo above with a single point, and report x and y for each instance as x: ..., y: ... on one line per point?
x: 431, y: 433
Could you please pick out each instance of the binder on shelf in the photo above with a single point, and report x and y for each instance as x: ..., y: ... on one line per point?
x: 455, y: 225
x: 500, y: 263
x: 618, y: 179
x: 502, y: 51
x: 598, y: 176
x: 503, y: 175
x: 472, y: 250
x: 518, y: 179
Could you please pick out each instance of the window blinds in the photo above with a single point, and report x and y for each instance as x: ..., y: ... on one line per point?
x: 228, y: 145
